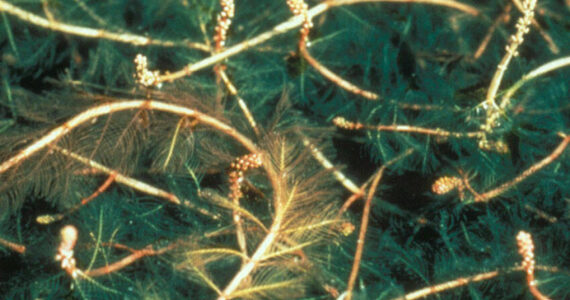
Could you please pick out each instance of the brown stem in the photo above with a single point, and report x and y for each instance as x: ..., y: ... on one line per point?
x: 127, y: 38
x: 120, y: 178
x: 13, y: 246
x: 448, y: 3
x: 364, y: 223
x: 135, y: 255
x: 105, y: 109
x: 345, y: 124
x: 362, y: 233
x: 327, y: 165
x: 243, y: 106
x: 293, y: 23
x: 47, y: 219
x: 503, y: 17
x: 330, y: 75
x: 434, y: 289
x: 485, y: 197
x: 267, y: 242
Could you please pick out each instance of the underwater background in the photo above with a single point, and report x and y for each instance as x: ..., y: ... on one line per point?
x: 284, y: 150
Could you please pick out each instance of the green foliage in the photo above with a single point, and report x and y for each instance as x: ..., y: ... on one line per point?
x: 418, y: 58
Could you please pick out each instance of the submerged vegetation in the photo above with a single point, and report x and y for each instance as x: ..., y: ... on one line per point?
x: 346, y: 149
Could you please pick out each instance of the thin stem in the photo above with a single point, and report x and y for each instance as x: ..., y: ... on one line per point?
x: 330, y: 75
x: 48, y: 219
x: 345, y: 124
x: 120, y: 178
x: 247, y: 268
x: 295, y: 22
x: 242, y: 105
x: 105, y: 109
x: 127, y: 38
x: 448, y: 3
x: 134, y: 256
x: 458, y: 282
x: 338, y: 175
x: 502, y: 18
x: 548, y: 67
x: 218, y: 57
x: 267, y: 242
x: 485, y: 197
x: 13, y: 246
x: 362, y: 233
x: 364, y: 223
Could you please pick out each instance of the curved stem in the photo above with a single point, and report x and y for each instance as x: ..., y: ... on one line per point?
x: 109, y: 108
x: 533, y: 169
x: 87, y: 32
